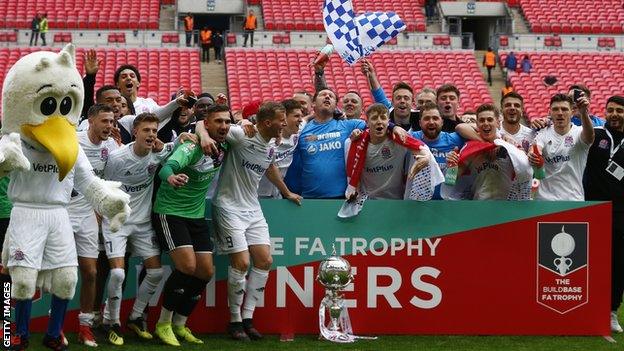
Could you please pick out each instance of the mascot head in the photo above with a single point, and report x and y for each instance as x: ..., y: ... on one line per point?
x: 42, y: 101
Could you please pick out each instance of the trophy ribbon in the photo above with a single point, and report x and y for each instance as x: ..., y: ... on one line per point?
x: 346, y: 335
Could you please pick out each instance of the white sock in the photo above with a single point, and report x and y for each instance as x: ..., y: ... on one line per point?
x: 165, y: 315
x: 86, y: 318
x: 146, y: 290
x: 179, y: 320
x: 255, y: 290
x: 236, y: 293
x: 113, y: 302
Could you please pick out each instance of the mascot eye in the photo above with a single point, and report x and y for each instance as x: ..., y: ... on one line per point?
x: 66, y: 105
x: 48, y: 106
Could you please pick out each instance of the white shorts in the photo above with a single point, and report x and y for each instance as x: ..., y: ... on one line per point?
x: 41, y: 238
x: 86, y: 235
x: 236, y: 231
x: 140, y: 237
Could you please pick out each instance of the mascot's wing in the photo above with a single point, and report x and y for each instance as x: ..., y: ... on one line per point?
x: 11, y: 155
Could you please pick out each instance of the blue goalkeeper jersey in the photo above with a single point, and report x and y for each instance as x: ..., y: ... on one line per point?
x: 318, y: 168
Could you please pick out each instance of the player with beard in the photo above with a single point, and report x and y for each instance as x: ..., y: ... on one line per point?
x: 513, y: 108
x: 285, y: 148
x: 603, y: 181
x: 240, y: 228
x: 179, y: 220
x: 564, y: 147
x: 97, y: 145
x: 401, y: 112
x: 491, y: 169
x: 134, y: 165
x: 440, y: 143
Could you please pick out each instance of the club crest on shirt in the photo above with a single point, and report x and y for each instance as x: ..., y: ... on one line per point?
x: 603, y: 144
x: 568, y: 141
x: 18, y: 255
x: 271, y: 153
x: 151, y: 169
x: 104, y: 154
x: 385, y: 153
x: 311, y: 149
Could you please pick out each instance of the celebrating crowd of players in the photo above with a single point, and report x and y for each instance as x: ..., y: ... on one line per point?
x: 171, y: 158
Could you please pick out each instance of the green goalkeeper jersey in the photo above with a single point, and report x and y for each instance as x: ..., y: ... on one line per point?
x: 188, y: 201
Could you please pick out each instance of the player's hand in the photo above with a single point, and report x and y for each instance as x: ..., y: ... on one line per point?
x: 158, y: 145
x: 400, y: 133
x: 91, y: 62
x: 452, y: 159
x: 222, y: 99
x: 116, y: 135
x: 583, y: 104
x: 185, y: 136
x: 294, y: 198
x: 539, y: 123
x: 351, y: 193
x: 355, y: 134
x: 177, y: 180
x: 535, y: 159
x: 248, y: 128
x: 209, y: 146
x: 181, y: 99
x: 420, y: 163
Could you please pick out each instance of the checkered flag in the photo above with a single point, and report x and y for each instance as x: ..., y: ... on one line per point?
x: 355, y: 37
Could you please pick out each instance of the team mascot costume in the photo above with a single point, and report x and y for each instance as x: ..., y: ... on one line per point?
x: 42, y: 101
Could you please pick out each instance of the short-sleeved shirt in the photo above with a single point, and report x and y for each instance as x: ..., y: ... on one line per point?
x: 188, y: 201
x: 319, y: 160
x: 283, y: 158
x: 383, y: 176
x: 136, y: 175
x: 245, y: 164
x: 440, y: 148
x: 525, y: 136
x: 565, y: 158
x: 97, y: 156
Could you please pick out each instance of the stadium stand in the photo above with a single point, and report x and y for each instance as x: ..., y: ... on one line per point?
x: 277, y: 73
x: 574, y: 16
x: 82, y: 14
x: 602, y: 72
x: 307, y: 15
x: 163, y: 71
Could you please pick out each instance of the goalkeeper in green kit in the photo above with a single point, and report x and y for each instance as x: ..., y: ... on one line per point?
x: 182, y: 230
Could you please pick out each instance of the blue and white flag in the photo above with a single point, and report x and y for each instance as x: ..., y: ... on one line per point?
x: 355, y: 37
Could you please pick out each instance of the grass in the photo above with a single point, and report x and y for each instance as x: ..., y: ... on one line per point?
x: 385, y: 342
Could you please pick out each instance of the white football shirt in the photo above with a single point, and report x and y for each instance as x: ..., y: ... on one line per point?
x: 40, y: 187
x: 525, y: 136
x: 136, y: 175
x: 245, y: 164
x: 97, y: 156
x: 283, y: 158
x: 565, y: 157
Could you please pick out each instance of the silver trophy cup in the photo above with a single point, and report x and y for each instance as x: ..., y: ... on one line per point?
x: 335, y: 275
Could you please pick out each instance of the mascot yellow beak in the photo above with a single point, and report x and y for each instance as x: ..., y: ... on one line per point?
x: 58, y: 136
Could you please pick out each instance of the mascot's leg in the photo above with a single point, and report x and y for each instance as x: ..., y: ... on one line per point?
x: 62, y: 287
x: 24, y: 285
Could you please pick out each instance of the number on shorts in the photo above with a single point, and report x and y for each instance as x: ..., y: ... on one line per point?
x: 230, y: 243
x: 110, y: 246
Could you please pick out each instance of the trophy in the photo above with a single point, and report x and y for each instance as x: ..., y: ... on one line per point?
x: 335, y: 275
x: 562, y: 245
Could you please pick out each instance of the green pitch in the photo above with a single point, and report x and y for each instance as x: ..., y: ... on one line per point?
x: 309, y: 342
